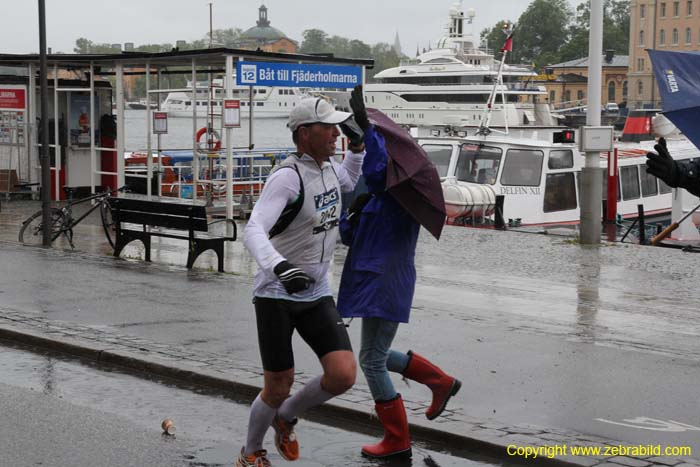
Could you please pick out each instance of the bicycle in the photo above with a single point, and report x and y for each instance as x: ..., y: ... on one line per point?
x: 63, y: 222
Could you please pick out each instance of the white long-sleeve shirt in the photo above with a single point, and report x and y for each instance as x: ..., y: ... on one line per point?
x: 310, y: 239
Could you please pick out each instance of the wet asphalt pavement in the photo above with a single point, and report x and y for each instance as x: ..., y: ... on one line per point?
x: 601, y: 341
x: 60, y: 412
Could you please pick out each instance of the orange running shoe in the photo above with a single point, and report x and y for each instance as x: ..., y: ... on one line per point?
x: 285, y: 438
x: 257, y: 459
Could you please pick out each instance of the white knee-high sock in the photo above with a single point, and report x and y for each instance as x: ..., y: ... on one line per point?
x: 260, y: 419
x: 311, y: 395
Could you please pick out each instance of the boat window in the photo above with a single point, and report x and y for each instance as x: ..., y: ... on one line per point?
x: 664, y: 188
x: 649, y: 187
x: 630, y: 182
x: 523, y: 167
x: 440, y: 155
x: 478, y: 164
x: 560, y: 192
x: 561, y: 159
x: 262, y: 91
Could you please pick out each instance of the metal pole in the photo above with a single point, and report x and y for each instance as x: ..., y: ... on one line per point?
x: 228, y: 82
x: 93, y: 151
x: 121, y: 179
x: 149, y: 130
x: 44, y: 156
x: 591, y: 176
x: 195, y: 155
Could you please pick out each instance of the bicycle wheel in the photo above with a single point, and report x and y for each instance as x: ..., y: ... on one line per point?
x: 31, y: 232
x: 108, y: 223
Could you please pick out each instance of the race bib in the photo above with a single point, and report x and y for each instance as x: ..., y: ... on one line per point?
x: 327, y: 211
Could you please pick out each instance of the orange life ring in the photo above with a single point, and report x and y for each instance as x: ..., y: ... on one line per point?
x: 215, y: 134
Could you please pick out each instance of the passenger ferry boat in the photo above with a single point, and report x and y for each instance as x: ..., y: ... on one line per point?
x: 451, y: 85
x: 268, y: 102
x: 539, y: 178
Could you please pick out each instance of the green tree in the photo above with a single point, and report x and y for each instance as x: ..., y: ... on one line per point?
x: 541, y: 31
x: 616, y: 30
x: 224, y: 37
x: 384, y: 57
x: 314, y: 41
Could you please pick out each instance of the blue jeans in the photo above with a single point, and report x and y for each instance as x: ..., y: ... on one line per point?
x: 377, y: 358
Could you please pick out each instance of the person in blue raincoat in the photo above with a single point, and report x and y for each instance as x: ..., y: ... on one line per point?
x: 377, y: 285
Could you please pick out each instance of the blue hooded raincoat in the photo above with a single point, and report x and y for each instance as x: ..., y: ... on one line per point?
x: 379, y: 275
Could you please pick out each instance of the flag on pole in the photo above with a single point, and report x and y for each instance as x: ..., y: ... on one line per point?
x: 508, y: 45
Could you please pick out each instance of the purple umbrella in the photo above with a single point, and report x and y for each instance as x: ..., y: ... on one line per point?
x: 411, y: 177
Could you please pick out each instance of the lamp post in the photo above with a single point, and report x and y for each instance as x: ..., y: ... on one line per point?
x: 44, y: 155
x: 591, y: 176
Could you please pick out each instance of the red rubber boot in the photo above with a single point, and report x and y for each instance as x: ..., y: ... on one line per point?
x: 397, y: 441
x: 443, y: 386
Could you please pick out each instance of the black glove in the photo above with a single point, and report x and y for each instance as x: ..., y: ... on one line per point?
x: 353, y: 132
x: 356, y: 207
x: 660, y: 164
x: 292, y: 278
x: 357, y: 104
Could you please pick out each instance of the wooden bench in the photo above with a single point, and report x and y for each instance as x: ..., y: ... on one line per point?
x: 180, y: 221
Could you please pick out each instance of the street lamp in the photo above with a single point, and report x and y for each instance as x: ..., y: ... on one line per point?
x: 44, y: 155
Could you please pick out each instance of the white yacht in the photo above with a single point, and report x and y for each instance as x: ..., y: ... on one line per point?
x: 268, y: 102
x: 451, y: 85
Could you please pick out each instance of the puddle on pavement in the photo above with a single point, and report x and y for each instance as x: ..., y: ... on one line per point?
x: 210, y: 428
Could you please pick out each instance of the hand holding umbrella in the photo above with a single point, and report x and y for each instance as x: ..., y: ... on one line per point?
x: 352, y: 128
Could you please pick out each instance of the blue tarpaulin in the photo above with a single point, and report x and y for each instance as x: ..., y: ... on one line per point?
x: 678, y: 78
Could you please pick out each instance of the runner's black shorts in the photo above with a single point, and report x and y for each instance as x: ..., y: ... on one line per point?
x: 317, y: 322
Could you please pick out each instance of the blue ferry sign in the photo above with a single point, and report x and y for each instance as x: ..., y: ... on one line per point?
x: 297, y: 75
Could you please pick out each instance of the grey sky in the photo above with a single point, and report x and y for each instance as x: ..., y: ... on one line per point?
x: 418, y: 22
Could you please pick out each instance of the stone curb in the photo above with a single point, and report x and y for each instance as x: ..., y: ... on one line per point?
x: 492, y: 441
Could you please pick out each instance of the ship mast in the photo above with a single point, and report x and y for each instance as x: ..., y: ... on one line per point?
x: 486, y: 121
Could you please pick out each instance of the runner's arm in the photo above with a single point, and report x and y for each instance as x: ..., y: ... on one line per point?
x: 281, y: 188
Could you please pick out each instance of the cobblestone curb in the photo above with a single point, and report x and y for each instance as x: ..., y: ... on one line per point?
x: 225, y: 373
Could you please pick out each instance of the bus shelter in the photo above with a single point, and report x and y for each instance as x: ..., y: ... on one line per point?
x: 87, y: 108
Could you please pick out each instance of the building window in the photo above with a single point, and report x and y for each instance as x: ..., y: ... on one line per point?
x: 690, y: 7
x: 688, y: 36
x: 552, y: 96
x: 579, y: 94
x: 624, y: 91
x: 675, y: 37
x: 640, y: 64
x: 641, y: 38
x: 611, y: 91
x: 642, y: 11
x: 676, y: 8
x: 662, y: 37
x: 567, y: 95
x: 663, y: 10
x: 640, y: 87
